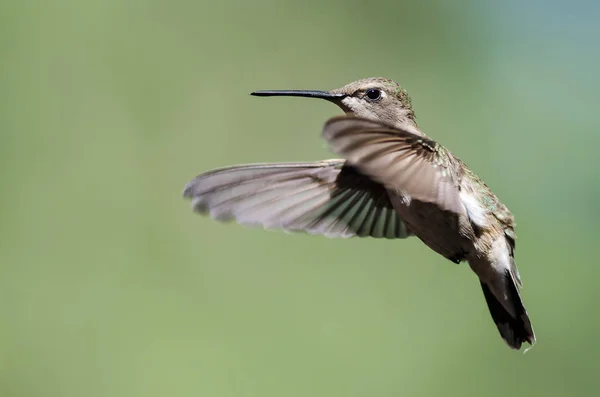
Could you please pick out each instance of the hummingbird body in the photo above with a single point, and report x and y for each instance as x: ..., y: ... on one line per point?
x: 393, y: 182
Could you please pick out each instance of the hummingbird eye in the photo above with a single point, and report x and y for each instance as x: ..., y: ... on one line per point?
x: 373, y: 94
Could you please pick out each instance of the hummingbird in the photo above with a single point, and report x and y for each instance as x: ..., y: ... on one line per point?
x: 392, y: 181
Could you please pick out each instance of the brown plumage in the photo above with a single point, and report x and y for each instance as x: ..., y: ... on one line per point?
x: 392, y: 182
x: 327, y: 197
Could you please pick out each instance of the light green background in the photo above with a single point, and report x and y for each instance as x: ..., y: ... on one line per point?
x: 111, y: 286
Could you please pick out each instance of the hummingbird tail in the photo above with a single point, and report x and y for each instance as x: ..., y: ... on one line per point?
x: 514, y: 329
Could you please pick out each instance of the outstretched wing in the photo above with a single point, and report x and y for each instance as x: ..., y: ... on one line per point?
x: 401, y: 160
x: 325, y: 197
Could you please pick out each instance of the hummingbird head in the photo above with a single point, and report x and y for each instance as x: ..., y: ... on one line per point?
x: 377, y: 98
x: 374, y: 98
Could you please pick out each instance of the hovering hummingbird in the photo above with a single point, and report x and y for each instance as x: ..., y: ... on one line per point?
x: 393, y: 182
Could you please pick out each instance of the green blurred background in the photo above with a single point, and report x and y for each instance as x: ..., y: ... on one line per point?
x: 111, y: 286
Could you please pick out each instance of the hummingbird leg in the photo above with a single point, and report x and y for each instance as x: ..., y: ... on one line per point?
x: 457, y: 258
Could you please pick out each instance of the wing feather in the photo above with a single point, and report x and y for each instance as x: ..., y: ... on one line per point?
x: 401, y: 160
x: 329, y: 197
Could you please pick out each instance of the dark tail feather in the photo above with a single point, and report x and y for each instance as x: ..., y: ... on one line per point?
x: 515, y: 330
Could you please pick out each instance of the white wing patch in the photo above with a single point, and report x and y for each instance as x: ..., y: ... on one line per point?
x: 406, y: 199
x: 476, y: 213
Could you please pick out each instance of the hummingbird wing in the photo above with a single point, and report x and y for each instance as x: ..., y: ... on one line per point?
x: 324, y: 197
x: 401, y: 160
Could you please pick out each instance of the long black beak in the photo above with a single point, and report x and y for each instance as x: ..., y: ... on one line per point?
x: 302, y: 93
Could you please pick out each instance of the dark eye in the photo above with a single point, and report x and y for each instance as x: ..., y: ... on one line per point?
x: 373, y: 94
